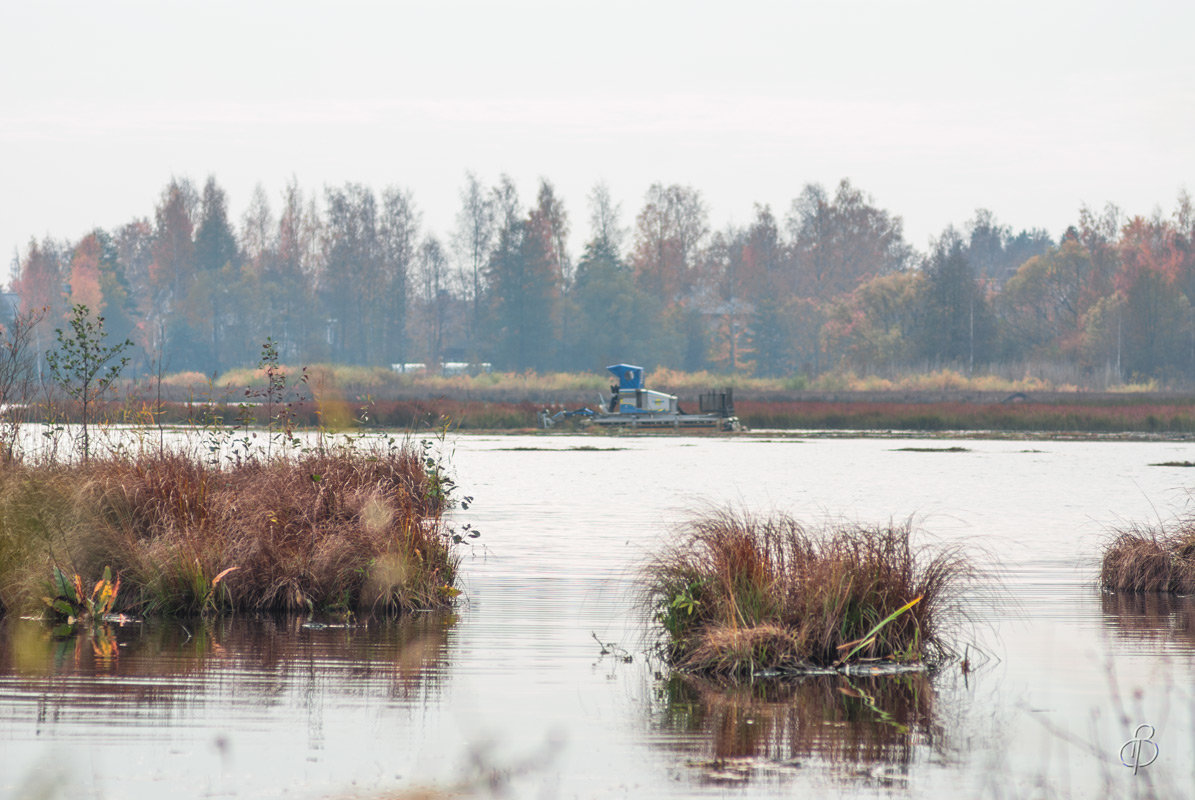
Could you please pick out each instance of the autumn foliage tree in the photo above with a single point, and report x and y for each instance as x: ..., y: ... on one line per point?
x: 39, y: 284
x: 350, y: 275
x: 1045, y: 303
x: 1156, y: 326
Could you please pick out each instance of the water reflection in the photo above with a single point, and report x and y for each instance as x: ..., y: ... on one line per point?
x: 169, y: 661
x: 1150, y: 617
x: 282, y: 715
x: 854, y: 725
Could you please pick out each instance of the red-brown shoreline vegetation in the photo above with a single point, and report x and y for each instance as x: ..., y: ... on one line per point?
x: 1052, y: 413
x: 343, y: 527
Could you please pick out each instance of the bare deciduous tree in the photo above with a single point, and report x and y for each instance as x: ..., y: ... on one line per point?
x: 473, y: 241
x: 18, y: 378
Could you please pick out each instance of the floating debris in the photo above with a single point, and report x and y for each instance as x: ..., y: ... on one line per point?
x: 881, y: 668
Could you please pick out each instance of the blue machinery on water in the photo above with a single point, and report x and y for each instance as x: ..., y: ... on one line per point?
x: 632, y: 406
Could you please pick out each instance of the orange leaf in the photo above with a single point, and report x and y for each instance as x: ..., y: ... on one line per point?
x: 220, y: 577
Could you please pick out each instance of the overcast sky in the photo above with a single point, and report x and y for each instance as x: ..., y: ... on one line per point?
x: 933, y: 107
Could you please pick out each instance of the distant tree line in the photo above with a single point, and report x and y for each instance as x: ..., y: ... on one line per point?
x: 350, y: 276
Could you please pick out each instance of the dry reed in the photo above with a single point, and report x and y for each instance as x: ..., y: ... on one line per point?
x: 1148, y: 559
x: 738, y: 594
x: 355, y: 529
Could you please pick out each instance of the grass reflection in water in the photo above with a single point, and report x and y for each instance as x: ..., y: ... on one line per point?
x: 866, y: 727
x: 1151, y: 616
x: 154, y: 661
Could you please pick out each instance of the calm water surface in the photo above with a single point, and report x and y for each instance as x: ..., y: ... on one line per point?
x: 516, y: 679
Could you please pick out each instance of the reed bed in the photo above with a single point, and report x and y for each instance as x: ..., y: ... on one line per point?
x: 345, y: 527
x: 1058, y: 417
x: 495, y: 414
x: 339, y: 397
x: 1122, y: 416
x: 340, y: 415
x: 383, y: 382
x: 738, y: 595
x: 358, y: 380
x: 1151, y: 559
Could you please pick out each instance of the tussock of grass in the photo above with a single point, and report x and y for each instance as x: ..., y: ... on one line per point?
x: 342, y: 528
x: 738, y: 594
x: 1145, y: 559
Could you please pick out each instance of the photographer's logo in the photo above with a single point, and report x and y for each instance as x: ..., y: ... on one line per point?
x: 1140, y: 751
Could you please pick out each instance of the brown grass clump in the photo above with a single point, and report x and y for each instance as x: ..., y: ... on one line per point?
x: 343, y: 528
x: 738, y: 594
x: 1143, y: 559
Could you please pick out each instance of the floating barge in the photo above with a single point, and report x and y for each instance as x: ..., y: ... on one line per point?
x: 632, y: 405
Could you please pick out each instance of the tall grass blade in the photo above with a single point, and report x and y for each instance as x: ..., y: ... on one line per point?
x: 869, y: 637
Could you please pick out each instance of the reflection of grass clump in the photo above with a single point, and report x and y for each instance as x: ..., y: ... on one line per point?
x: 1145, y: 559
x: 404, y: 655
x: 738, y: 595
x: 1153, y: 616
x: 341, y: 528
x: 861, y: 721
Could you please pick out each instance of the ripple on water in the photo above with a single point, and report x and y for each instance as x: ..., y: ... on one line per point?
x: 256, y: 707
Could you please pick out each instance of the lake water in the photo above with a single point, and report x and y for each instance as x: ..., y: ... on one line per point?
x: 541, y: 681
